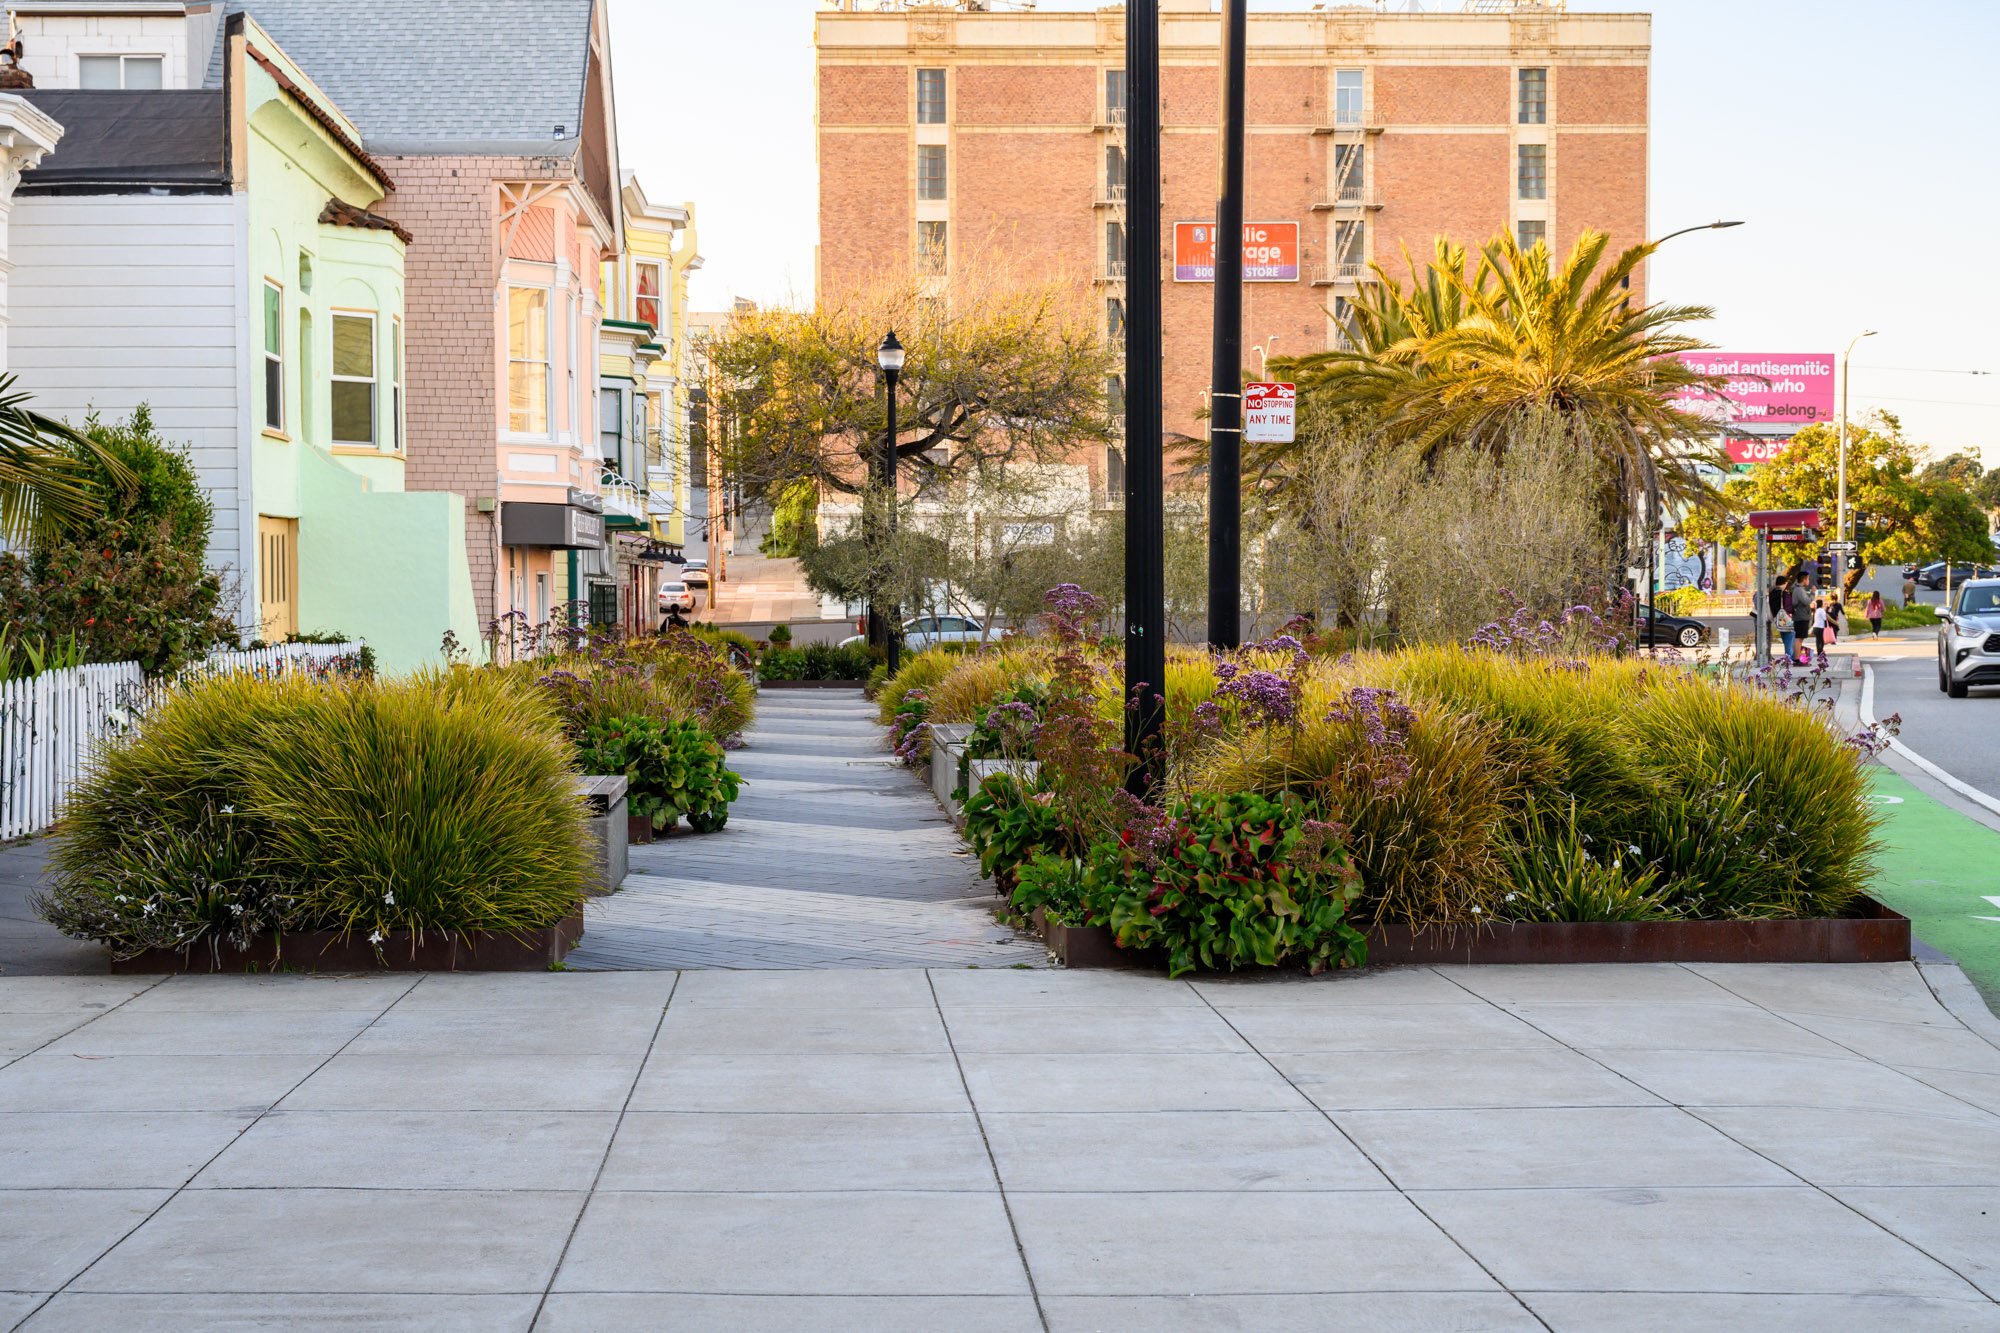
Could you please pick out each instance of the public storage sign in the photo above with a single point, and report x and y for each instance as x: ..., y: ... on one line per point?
x: 1270, y: 413
x: 1763, y: 388
x: 1270, y: 252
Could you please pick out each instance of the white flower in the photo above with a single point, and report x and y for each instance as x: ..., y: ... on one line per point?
x: 1475, y: 911
x: 1633, y: 847
x: 1510, y: 897
x: 228, y: 809
x: 376, y: 938
x: 152, y: 908
x: 389, y: 898
x: 123, y: 898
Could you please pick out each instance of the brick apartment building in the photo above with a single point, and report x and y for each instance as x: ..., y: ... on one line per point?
x: 949, y: 132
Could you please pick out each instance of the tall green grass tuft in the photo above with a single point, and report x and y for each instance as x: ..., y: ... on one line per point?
x: 920, y: 671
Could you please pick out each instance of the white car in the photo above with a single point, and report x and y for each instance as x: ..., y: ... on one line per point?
x: 1969, y: 638
x: 921, y: 632
x: 675, y: 594
x: 695, y: 573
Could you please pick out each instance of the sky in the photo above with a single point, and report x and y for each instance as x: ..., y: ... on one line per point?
x: 1853, y: 139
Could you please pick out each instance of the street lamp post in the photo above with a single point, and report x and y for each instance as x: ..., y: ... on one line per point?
x: 1145, y: 520
x: 1653, y: 519
x: 1225, y: 428
x: 1840, y: 501
x: 889, y: 356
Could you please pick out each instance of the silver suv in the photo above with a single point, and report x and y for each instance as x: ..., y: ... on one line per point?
x: 1969, y: 638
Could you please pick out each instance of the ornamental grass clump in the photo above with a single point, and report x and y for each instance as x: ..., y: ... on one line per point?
x: 242, y: 807
x: 919, y: 671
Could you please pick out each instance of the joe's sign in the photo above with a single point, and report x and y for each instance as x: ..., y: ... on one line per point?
x: 1270, y: 252
x: 1750, y: 450
x: 1763, y: 388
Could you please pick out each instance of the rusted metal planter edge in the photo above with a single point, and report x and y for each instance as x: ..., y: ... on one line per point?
x: 811, y: 684
x: 402, y: 951
x: 1878, y: 935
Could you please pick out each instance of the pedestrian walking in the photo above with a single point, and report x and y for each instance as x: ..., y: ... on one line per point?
x: 1800, y: 603
x: 1774, y: 601
x: 1909, y: 590
x: 1874, y: 611
x: 1819, y: 629
x: 1836, y: 620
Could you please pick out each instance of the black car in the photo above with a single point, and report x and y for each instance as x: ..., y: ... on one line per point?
x: 1679, y: 631
x: 1932, y: 575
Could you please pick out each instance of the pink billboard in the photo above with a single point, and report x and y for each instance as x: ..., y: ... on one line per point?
x: 1764, y: 388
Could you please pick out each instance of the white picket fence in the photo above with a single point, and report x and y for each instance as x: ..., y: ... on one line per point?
x: 51, y: 724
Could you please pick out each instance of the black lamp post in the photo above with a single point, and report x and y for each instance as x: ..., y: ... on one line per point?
x: 1145, y: 520
x: 889, y: 356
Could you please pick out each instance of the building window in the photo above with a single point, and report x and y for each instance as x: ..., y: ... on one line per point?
x: 542, y: 598
x: 573, y: 337
x: 1350, y: 247
x: 1114, y: 318
x: 1114, y: 171
x: 354, y: 379
x: 1114, y: 472
x: 1350, y: 172
x: 132, y: 73
x: 305, y: 375
x: 610, y: 423
x: 1114, y: 249
x: 528, y: 360
x: 274, y: 356
x: 656, y: 447
x: 1343, y: 314
x: 1534, y: 99
x: 396, y: 382
x: 1347, y: 97
x: 1532, y: 232
x: 604, y: 606
x: 1114, y: 396
x: 930, y: 171
x: 640, y: 445
x: 1534, y: 170
x: 1114, y: 96
x: 930, y: 97
x: 932, y: 255
x: 646, y: 301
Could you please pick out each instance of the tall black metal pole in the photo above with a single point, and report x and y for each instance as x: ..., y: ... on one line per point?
x: 1225, y: 394
x: 1145, y: 526
x: 893, y: 627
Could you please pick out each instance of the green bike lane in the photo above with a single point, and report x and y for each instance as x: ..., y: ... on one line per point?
x: 1941, y: 869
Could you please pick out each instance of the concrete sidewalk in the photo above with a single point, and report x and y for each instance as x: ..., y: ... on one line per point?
x: 1593, y: 1148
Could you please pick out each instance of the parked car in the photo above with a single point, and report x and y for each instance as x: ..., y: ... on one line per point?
x: 921, y: 632
x: 1932, y: 575
x: 1969, y: 637
x: 1681, y: 631
x: 675, y: 594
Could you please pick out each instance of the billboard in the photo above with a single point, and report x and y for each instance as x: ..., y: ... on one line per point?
x: 1270, y: 252
x: 1788, y: 389
x: 1747, y: 450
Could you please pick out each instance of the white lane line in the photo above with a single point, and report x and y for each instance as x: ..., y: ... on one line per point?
x: 1965, y: 789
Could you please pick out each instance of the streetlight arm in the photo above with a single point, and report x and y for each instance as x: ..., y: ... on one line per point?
x: 1704, y: 226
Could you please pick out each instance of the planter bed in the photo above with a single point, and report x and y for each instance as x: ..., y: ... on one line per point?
x: 1879, y: 935
x: 810, y: 684
x: 330, y: 951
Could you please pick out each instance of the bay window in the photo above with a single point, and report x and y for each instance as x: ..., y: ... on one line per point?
x: 354, y: 378
x: 528, y: 360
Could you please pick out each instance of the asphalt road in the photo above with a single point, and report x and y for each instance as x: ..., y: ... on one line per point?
x: 1961, y: 736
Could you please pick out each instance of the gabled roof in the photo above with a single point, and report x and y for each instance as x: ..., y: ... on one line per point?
x: 118, y: 142
x: 441, y: 76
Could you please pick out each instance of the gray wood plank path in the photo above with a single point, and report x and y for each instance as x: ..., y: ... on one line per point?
x: 833, y: 857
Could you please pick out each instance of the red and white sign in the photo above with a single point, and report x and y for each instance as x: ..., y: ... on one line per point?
x: 1270, y: 252
x: 1748, y: 450
x: 1270, y: 413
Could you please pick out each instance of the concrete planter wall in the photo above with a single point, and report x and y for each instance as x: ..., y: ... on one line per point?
x: 402, y: 951
x: 605, y: 795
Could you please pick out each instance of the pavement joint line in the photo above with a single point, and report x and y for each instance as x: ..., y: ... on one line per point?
x: 237, y: 1138
x: 1367, y: 1156
x: 992, y: 1162
x: 1694, y: 1112
x: 624, y: 1109
x: 157, y: 983
x: 1963, y: 788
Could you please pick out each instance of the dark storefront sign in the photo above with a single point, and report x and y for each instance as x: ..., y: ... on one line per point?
x: 569, y: 527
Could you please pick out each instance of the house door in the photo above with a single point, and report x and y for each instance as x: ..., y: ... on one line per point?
x: 278, y: 577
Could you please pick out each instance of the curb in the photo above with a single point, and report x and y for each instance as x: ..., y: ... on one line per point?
x: 1964, y: 789
x: 1961, y: 999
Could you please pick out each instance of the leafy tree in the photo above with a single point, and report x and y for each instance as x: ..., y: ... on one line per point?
x: 50, y: 476
x: 127, y: 581
x: 1986, y: 491
x: 1459, y: 358
x: 997, y: 373
x: 1896, y: 514
x: 1961, y: 469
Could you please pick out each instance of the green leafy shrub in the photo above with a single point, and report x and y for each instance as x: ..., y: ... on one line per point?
x: 246, y: 806
x: 1228, y: 881
x: 816, y: 661
x: 781, y: 634
x: 745, y: 647
x: 674, y: 769
x: 1007, y: 824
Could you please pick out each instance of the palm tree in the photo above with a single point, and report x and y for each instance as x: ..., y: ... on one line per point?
x: 44, y: 475
x: 1460, y: 359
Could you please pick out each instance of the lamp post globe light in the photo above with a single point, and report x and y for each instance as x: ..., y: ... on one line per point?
x: 889, y: 356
